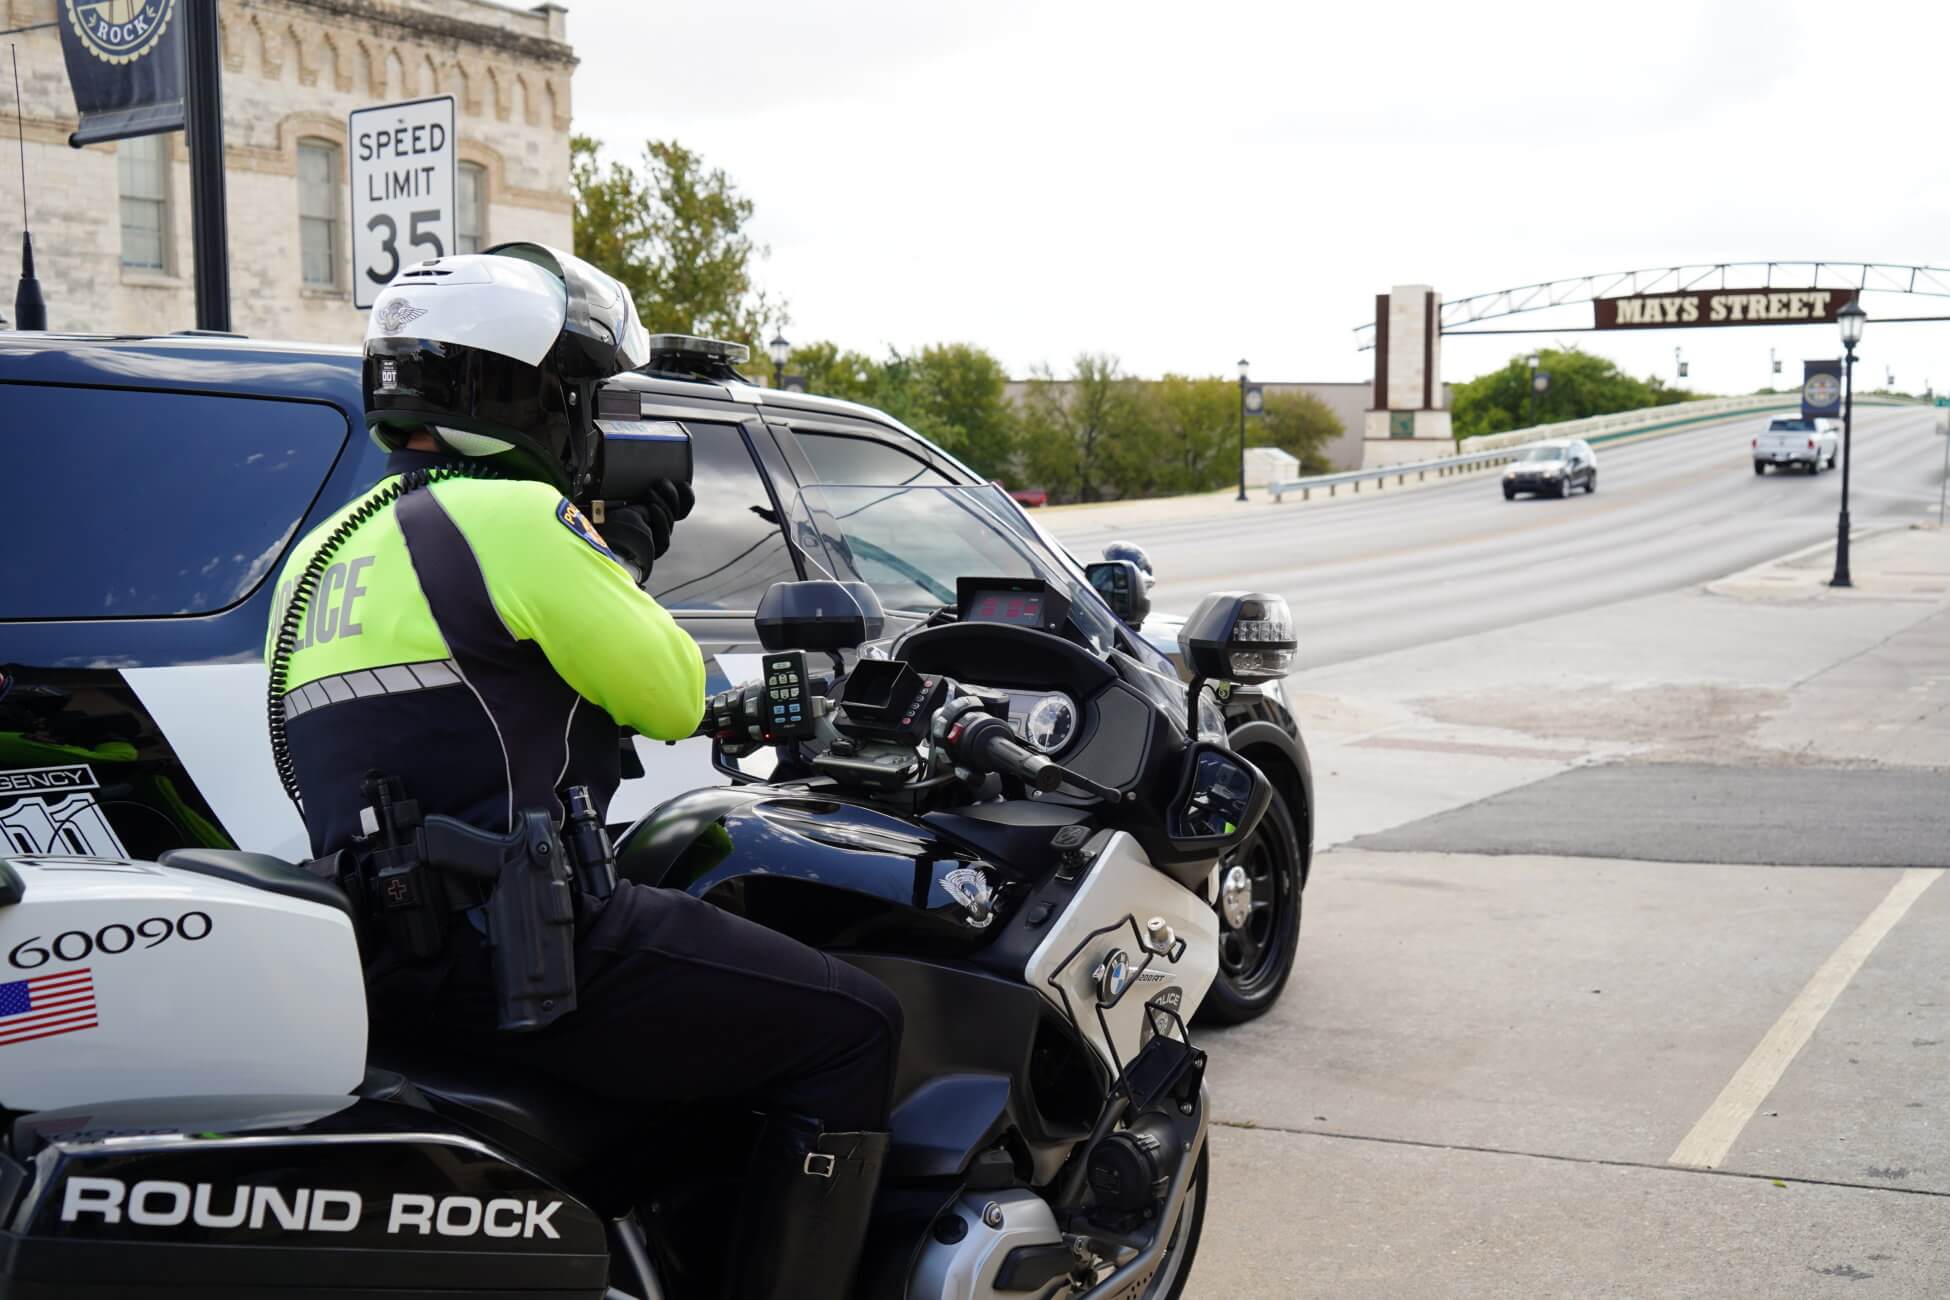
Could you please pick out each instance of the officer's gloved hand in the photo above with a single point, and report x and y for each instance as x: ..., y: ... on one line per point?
x: 639, y: 533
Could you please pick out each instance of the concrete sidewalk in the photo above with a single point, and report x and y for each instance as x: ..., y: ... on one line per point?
x: 1910, y: 564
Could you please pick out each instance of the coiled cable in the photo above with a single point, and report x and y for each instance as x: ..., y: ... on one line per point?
x: 283, y: 646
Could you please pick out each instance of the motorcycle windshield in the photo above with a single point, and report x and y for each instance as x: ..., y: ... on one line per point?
x: 910, y: 544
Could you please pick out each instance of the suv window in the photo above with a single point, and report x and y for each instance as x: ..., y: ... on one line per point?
x: 868, y: 462
x: 732, y: 547
x: 145, y: 504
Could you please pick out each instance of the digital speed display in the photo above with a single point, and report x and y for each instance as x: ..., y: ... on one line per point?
x: 1012, y: 602
x: 1023, y: 609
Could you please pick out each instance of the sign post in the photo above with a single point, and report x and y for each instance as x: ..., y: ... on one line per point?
x: 1943, y: 488
x: 402, y: 160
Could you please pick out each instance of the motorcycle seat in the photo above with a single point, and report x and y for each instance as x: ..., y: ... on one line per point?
x: 555, y: 1126
x: 260, y: 871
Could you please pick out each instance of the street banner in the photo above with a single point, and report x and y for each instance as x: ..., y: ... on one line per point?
x: 125, y: 66
x: 1720, y: 307
x: 1821, y: 389
x: 403, y: 160
x: 1254, y: 396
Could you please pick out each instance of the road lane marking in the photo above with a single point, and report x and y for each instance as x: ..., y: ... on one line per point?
x: 1720, y: 1127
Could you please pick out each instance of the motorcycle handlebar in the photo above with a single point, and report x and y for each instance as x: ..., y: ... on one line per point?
x: 985, y: 742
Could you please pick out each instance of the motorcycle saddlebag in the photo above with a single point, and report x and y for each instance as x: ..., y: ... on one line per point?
x: 325, y: 1198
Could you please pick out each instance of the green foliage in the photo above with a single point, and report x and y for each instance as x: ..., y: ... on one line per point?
x: 1186, y: 439
x: 951, y: 393
x: 1069, y: 428
x: 834, y: 372
x: 673, y: 232
x: 1580, y: 385
x: 955, y: 397
x: 1301, y: 424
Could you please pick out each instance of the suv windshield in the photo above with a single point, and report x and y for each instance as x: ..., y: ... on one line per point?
x: 1545, y: 451
x: 911, y: 543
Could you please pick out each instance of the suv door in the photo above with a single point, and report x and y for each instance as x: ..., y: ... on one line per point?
x: 131, y: 693
x: 743, y: 535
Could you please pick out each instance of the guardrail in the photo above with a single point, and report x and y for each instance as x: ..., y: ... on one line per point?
x: 1501, y: 448
x: 1442, y: 468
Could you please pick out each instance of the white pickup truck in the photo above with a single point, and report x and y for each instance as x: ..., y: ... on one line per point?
x: 1813, y: 444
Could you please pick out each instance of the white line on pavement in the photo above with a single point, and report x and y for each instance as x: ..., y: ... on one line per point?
x: 1707, y: 1145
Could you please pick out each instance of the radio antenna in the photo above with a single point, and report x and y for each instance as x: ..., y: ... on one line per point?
x: 30, y: 309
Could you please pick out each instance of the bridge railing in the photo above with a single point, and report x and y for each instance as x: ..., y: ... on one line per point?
x: 1489, y: 450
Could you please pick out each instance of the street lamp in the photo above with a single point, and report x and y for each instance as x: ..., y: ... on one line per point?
x: 1244, y: 367
x: 1773, y: 368
x: 1851, y: 318
x: 1679, y: 363
x: 779, y: 350
x: 1531, y: 360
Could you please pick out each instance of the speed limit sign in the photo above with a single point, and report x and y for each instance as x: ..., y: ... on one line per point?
x: 402, y: 158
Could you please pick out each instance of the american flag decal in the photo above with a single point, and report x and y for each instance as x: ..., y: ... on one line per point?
x: 46, y: 1005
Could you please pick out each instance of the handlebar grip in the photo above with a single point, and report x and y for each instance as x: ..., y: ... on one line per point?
x: 988, y: 743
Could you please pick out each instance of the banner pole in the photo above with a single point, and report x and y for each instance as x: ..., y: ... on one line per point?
x: 203, y: 132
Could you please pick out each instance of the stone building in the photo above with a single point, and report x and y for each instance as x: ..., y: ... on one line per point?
x: 112, y: 222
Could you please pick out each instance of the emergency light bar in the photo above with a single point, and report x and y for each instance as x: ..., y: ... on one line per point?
x: 689, y: 352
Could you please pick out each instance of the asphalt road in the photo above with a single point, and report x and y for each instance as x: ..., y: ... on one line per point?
x: 1676, y: 812
x: 1374, y: 573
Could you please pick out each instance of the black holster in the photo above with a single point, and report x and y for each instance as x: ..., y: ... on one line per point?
x: 418, y: 871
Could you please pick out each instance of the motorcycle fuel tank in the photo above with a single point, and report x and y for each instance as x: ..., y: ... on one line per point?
x: 734, y: 844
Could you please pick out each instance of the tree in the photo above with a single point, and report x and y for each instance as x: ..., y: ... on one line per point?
x: 1068, y: 426
x: 1190, y: 440
x: 954, y: 395
x: 1303, y: 425
x: 834, y: 372
x: 1580, y: 385
x: 674, y: 234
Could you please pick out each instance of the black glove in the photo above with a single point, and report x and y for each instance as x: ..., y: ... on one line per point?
x: 639, y: 533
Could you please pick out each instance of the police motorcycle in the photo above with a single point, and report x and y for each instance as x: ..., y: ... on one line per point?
x: 193, y: 1107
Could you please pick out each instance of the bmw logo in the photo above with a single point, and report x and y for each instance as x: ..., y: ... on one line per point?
x: 1821, y: 390
x: 1113, y: 977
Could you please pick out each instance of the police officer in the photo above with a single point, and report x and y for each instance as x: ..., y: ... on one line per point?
x: 478, y: 639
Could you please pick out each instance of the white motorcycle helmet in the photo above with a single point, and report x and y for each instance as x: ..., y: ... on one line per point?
x: 498, y: 356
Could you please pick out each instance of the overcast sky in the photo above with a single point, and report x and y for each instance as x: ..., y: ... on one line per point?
x: 1186, y: 184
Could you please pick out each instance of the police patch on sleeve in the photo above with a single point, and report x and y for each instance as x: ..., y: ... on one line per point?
x: 578, y: 523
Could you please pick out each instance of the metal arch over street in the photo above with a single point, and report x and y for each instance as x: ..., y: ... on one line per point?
x: 1857, y: 277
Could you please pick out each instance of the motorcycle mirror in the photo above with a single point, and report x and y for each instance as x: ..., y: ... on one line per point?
x: 1240, y: 636
x: 1136, y: 555
x: 1124, y: 588
x: 812, y: 615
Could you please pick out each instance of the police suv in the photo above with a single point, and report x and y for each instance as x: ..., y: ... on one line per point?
x: 155, y: 485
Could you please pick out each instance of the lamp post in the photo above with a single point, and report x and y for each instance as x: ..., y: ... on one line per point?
x: 1244, y: 367
x: 779, y: 350
x: 1531, y: 419
x: 1773, y: 368
x: 1851, y: 318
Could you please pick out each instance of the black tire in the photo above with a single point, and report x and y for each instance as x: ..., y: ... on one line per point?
x: 1509, y: 494
x: 1591, y: 484
x: 1760, y: 467
x: 1256, y: 960
x: 1175, y: 1269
